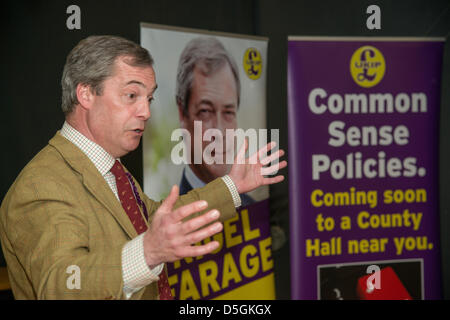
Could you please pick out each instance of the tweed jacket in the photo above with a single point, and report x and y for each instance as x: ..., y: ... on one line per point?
x: 60, y: 213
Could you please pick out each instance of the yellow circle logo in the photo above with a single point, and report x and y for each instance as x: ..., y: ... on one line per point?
x: 252, y: 63
x: 367, y: 66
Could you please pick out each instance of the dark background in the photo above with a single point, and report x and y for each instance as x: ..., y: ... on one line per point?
x: 35, y: 42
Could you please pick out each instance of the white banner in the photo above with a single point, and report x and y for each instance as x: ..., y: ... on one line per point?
x: 215, y: 81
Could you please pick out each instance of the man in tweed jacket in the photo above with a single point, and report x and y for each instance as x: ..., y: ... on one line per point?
x: 63, y: 211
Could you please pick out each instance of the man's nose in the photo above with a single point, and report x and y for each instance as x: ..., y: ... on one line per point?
x: 222, y: 126
x: 144, y: 110
x: 220, y: 123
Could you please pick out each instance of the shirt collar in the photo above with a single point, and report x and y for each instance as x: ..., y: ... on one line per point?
x: 101, y: 159
x: 193, y: 180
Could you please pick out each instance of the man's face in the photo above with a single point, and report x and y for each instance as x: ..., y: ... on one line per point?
x: 213, y: 100
x: 118, y: 117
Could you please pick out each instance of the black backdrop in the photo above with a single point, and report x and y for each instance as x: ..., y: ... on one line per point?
x: 35, y: 42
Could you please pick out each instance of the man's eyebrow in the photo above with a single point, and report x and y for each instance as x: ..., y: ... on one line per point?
x: 136, y: 82
x: 141, y: 84
x: 205, y: 101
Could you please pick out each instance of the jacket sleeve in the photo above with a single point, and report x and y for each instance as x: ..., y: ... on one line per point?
x: 216, y: 193
x: 48, y: 239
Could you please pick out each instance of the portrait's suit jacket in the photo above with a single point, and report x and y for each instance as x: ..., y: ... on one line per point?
x: 60, y: 214
x: 185, y: 187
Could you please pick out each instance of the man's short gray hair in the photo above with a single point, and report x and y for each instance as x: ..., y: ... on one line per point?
x: 208, y: 53
x: 91, y: 62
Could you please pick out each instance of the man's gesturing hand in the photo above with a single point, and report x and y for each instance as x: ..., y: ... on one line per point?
x: 169, y: 238
x: 248, y: 173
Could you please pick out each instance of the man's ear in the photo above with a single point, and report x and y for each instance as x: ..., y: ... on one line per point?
x: 85, y: 96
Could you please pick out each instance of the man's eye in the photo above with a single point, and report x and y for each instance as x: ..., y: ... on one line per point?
x: 150, y: 100
x: 230, y: 115
x: 131, y: 96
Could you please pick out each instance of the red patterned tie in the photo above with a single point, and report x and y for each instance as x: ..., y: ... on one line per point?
x: 129, y: 204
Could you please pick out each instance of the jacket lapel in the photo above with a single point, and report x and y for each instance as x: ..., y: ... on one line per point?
x: 93, y: 181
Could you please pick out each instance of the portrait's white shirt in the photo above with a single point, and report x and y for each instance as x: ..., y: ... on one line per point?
x: 193, y: 180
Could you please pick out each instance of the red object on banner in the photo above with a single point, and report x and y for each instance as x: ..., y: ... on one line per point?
x: 391, y: 288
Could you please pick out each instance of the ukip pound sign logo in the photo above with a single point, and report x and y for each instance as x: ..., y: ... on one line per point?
x: 252, y: 63
x: 367, y: 66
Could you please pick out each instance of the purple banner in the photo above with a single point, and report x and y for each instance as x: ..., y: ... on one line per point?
x: 363, y: 152
x: 244, y: 256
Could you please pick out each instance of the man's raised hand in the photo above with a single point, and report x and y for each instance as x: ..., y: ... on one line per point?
x: 169, y: 238
x: 249, y: 173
